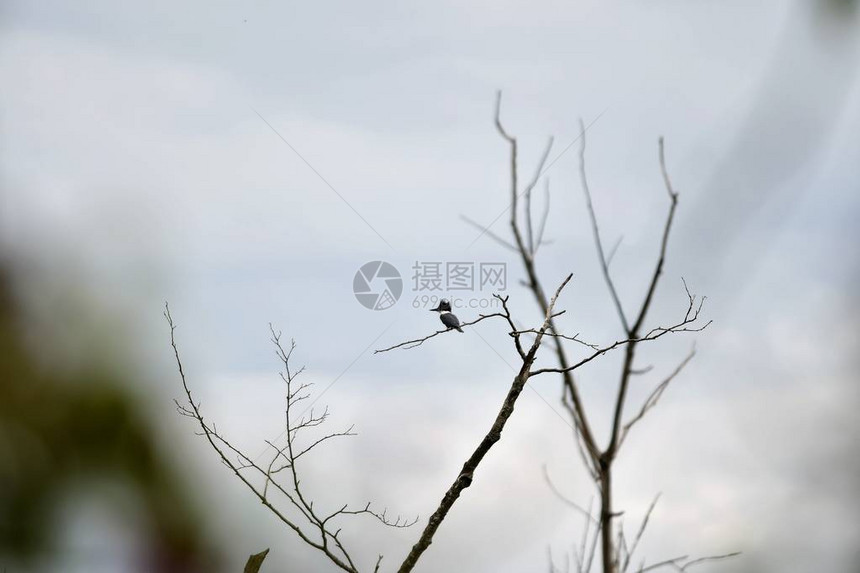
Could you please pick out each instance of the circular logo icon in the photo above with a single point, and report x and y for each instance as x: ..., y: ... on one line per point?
x: 377, y: 285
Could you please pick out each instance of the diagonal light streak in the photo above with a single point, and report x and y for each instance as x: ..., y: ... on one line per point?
x: 323, y: 179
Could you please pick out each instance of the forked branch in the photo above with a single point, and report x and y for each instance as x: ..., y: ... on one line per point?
x: 615, y: 551
x: 571, y: 391
x: 654, y: 397
x: 466, y: 475
x: 304, y: 518
x: 684, y: 563
x: 506, y: 314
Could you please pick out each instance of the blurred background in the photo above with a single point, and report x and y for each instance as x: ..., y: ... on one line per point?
x: 140, y: 165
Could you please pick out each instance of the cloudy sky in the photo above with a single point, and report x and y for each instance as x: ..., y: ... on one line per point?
x: 244, y: 160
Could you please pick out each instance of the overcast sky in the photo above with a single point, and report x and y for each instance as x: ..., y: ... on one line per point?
x: 140, y: 164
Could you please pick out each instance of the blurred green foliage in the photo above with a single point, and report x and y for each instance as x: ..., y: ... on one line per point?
x: 59, y: 429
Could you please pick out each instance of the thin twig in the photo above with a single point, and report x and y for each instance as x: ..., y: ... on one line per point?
x: 539, y: 241
x: 564, y: 498
x: 655, y: 396
x: 604, y: 264
x: 316, y: 532
x: 639, y: 533
x: 528, y: 193
x: 683, y: 563
x: 701, y: 560
x: 408, y: 344
x: 654, y: 334
x: 534, y: 284
x: 574, y: 338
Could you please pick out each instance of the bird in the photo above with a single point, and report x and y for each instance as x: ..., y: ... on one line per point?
x: 445, y: 315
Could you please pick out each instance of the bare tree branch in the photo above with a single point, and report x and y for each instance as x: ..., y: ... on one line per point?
x: 673, y: 195
x: 539, y: 241
x: 684, y: 563
x: 701, y: 560
x: 316, y: 531
x: 588, y: 558
x: 639, y: 533
x: 633, y: 331
x: 604, y: 264
x: 654, y: 334
x: 528, y: 195
x: 666, y: 563
x: 654, y: 397
x: 574, y: 338
x: 214, y: 439
x: 564, y: 498
x: 606, y: 458
x: 319, y: 528
x: 408, y: 344
x: 534, y: 284
x: 466, y: 474
x: 613, y: 250
x: 599, y: 461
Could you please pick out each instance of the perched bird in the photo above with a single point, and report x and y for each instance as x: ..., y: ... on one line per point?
x: 445, y: 315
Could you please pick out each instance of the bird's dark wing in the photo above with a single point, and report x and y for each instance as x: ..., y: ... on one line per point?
x: 451, y: 321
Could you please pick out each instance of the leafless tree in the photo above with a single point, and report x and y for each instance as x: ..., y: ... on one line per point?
x: 275, y: 482
x: 320, y: 530
x: 599, y: 459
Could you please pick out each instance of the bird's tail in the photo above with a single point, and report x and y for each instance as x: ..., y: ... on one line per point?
x: 458, y: 329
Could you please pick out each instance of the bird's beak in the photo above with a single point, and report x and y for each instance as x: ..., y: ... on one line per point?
x: 437, y: 309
